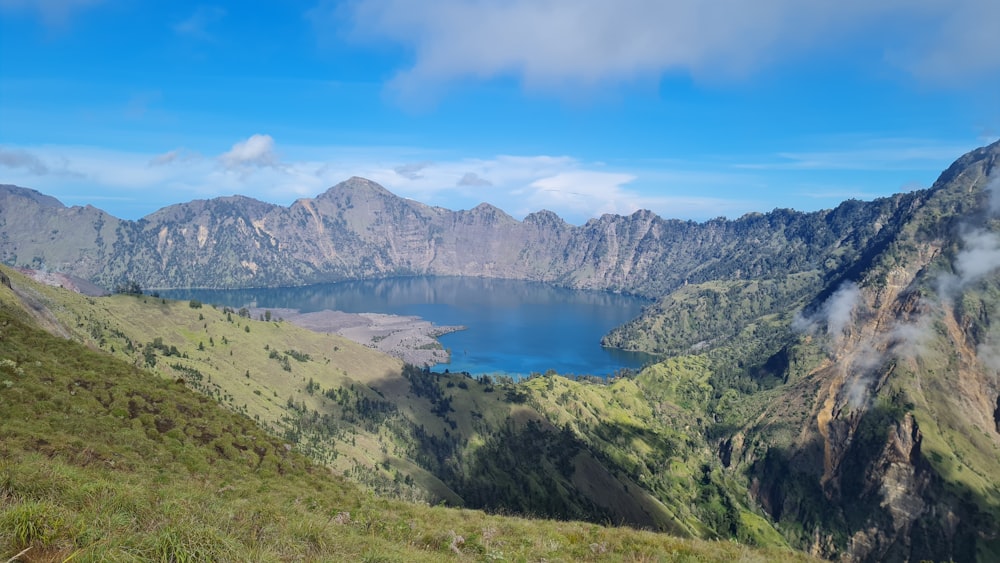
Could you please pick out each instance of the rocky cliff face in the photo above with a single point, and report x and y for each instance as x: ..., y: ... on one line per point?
x: 883, y: 445
x: 358, y: 229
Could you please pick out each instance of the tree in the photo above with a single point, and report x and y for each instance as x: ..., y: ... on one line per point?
x: 130, y: 287
x: 149, y: 355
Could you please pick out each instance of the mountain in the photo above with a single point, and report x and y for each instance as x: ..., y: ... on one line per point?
x: 860, y: 404
x: 358, y: 229
x: 882, y: 442
x: 830, y: 380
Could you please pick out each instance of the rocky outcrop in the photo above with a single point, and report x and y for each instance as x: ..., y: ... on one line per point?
x: 898, y: 479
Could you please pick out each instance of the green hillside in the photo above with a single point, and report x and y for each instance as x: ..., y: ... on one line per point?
x: 549, y: 447
x: 836, y: 393
x: 102, y: 460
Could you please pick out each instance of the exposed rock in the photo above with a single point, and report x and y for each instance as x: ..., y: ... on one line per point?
x: 902, y: 480
x: 358, y: 229
x: 65, y: 281
x: 408, y: 338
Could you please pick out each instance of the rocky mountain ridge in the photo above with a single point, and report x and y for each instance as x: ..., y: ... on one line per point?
x: 357, y: 230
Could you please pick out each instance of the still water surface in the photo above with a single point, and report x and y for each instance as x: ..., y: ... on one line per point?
x: 513, y: 327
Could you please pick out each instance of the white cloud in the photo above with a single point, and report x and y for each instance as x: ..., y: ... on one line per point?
x: 568, y: 44
x: 574, y: 188
x: 837, y: 312
x: 258, y: 150
x: 581, y: 191
x: 980, y: 253
x: 965, y: 42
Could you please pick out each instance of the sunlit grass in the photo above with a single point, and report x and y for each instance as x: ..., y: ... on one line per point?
x: 104, y: 461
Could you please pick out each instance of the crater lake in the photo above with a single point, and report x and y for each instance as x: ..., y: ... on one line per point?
x: 513, y: 327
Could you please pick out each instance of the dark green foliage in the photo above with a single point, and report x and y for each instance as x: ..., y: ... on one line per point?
x: 130, y: 287
x: 298, y: 356
x: 282, y: 359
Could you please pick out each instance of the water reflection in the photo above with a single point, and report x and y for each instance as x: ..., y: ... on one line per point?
x: 514, y: 327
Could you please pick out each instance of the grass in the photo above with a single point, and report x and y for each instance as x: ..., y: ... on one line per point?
x: 102, y: 460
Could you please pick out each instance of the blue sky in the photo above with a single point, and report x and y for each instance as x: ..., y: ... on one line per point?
x: 692, y: 108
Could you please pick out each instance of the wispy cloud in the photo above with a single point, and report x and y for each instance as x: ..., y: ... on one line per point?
x: 871, y: 154
x: 53, y: 13
x: 568, y: 44
x: 172, y: 156
x: 835, y: 315
x: 474, y: 180
x: 24, y: 160
x: 197, y: 24
x: 980, y: 253
x: 520, y: 184
x: 411, y: 170
x: 34, y: 165
x: 259, y: 166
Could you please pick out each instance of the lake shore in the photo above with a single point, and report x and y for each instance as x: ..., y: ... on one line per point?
x: 409, y: 338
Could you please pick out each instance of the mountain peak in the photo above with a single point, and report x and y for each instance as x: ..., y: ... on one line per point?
x: 358, y: 185
x: 33, y: 195
x: 545, y: 217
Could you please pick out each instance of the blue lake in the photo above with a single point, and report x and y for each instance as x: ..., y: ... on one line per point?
x: 513, y: 327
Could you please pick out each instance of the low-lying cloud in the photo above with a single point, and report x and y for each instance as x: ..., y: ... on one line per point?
x: 907, y: 338
x: 980, y: 252
x: 836, y: 314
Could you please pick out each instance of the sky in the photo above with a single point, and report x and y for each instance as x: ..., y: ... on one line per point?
x: 693, y: 109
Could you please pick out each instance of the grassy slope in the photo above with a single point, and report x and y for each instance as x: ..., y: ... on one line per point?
x: 229, y: 357
x: 651, y: 429
x: 102, y: 460
x: 215, y: 352
x: 630, y: 464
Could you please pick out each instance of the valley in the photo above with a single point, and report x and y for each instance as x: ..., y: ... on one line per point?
x: 828, y: 381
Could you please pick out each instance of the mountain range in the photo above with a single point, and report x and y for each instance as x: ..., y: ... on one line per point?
x: 830, y: 379
x: 357, y: 229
